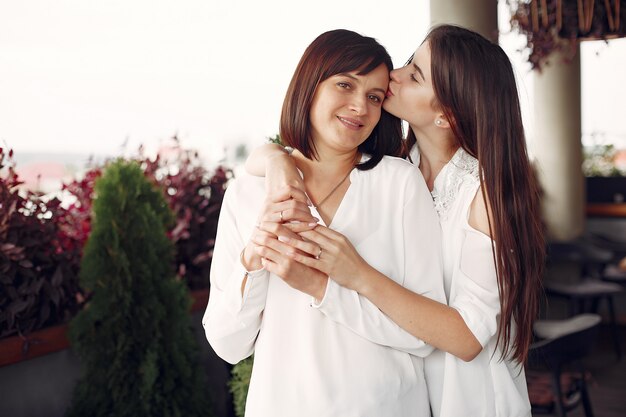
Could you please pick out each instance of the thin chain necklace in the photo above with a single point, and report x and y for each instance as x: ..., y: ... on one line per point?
x: 316, y: 206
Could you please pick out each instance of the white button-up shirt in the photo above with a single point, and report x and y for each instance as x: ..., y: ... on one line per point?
x: 343, y: 357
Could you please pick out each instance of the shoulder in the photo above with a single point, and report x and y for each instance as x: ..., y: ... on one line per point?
x: 396, y: 165
x: 480, y: 215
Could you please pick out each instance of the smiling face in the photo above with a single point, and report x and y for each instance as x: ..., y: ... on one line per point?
x: 346, y: 107
x: 411, y: 96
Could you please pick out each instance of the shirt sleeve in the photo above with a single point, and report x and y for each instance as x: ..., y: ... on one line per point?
x: 422, y: 273
x: 232, y: 320
x: 477, y: 296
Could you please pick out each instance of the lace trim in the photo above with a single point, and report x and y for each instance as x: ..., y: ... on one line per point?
x: 461, y: 166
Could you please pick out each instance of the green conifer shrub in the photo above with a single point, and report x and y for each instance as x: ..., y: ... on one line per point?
x: 134, y: 338
x: 240, y: 383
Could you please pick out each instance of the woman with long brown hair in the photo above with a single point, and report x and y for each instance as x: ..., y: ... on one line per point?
x: 458, y: 95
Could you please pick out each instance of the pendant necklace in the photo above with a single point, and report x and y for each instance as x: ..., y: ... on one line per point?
x: 316, y: 206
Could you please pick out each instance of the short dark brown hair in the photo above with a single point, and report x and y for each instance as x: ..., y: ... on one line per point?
x: 335, y: 52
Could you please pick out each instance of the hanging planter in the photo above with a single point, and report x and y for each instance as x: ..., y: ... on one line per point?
x: 559, y: 25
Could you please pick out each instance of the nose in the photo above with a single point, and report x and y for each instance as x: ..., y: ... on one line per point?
x: 394, y: 75
x: 359, y: 104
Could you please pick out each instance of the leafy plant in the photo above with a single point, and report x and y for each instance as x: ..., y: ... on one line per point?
x: 38, y: 263
x: 134, y: 337
x: 558, y: 25
x: 195, y: 196
x: 599, y: 161
x: 239, y: 384
x: 41, y: 242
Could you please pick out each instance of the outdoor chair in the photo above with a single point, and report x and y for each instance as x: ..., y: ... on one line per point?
x: 585, y: 295
x: 555, y: 373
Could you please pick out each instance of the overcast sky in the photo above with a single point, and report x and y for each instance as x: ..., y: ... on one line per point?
x: 85, y: 76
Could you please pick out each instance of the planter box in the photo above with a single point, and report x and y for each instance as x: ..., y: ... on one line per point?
x: 38, y: 373
x: 606, y: 190
x: 53, y: 339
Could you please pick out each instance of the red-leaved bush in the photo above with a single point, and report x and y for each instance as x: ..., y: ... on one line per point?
x: 38, y: 270
x: 41, y: 242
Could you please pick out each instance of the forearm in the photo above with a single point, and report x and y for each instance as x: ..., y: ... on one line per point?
x: 258, y: 160
x: 435, y: 323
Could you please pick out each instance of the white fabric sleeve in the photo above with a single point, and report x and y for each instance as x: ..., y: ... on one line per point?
x: 423, y: 274
x: 232, y: 320
x: 477, y: 297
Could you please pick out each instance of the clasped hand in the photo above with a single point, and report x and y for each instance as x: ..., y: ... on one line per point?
x: 289, y: 243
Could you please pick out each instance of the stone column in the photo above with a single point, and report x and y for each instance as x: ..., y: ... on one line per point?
x: 478, y: 15
x: 557, y: 146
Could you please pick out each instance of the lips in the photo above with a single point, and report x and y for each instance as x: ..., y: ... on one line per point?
x: 388, y: 93
x: 350, y: 122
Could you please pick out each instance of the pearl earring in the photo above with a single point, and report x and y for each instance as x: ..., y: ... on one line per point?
x: 438, y: 122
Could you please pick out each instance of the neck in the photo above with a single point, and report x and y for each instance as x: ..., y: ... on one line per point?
x: 327, y: 167
x: 435, y: 153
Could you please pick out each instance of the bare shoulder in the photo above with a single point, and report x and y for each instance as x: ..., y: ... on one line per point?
x: 480, y: 215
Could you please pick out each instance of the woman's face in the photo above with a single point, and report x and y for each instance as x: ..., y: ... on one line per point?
x: 346, y: 108
x: 411, y: 96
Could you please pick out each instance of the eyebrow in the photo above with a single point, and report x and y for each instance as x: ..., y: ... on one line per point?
x: 418, y: 69
x: 345, y: 74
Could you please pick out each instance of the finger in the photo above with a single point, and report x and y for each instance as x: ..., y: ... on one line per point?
x: 298, y: 227
x: 278, y: 229
x: 328, y: 233
x: 289, y: 210
x: 316, y: 237
x: 272, y: 255
x: 311, y: 248
x: 269, y: 241
x: 311, y: 262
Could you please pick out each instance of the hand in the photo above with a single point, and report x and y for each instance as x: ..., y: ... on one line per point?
x: 275, y: 258
x: 282, y: 174
x: 329, y: 252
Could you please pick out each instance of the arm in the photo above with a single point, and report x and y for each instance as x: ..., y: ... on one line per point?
x: 420, y: 263
x: 233, y: 316
x: 425, y: 317
x: 465, y: 326
x: 279, y: 169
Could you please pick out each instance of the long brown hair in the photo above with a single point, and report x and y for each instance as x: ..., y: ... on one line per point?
x: 475, y: 87
x: 335, y: 52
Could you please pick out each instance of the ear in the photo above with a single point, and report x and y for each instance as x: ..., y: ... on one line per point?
x: 442, y: 121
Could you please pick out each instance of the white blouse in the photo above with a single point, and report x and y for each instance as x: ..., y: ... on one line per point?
x: 343, y: 357
x: 486, y: 386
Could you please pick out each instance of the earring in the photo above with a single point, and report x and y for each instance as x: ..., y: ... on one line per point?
x: 438, y: 122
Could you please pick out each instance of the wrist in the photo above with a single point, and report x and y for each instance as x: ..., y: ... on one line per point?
x: 319, y: 291
x: 365, y: 284
x: 249, y: 259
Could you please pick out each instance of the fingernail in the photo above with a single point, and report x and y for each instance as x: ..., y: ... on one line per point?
x: 263, y: 261
x: 283, y: 239
x: 312, y: 224
x: 295, y: 222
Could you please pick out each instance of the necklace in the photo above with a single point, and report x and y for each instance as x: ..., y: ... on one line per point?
x: 316, y: 206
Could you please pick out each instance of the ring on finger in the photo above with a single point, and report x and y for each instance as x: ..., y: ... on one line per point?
x: 319, y: 255
x: 281, y: 215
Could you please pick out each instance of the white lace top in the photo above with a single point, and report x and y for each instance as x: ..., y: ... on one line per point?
x: 486, y: 386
